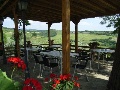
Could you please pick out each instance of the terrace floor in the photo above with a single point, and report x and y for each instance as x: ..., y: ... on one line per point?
x: 97, y: 79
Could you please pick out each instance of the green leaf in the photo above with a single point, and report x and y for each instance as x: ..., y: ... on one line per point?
x: 6, y: 83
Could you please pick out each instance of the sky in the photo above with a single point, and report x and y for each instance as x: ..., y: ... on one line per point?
x: 91, y: 24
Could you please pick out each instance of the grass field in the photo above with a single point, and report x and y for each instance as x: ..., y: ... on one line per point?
x: 106, y: 39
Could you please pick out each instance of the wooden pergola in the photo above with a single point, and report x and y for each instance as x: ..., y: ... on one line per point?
x: 54, y: 11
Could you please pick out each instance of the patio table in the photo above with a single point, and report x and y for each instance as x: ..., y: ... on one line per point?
x: 56, y: 46
x: 99, y: 51
x: 30, y: 49
x: 59, y: 55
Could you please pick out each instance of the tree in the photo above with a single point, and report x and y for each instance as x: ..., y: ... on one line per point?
x: 112, y: 21
x: 114, y: 79
x: 45, y: 33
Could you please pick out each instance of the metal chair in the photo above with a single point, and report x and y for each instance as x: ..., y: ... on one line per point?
x: 41, y: 63
x: 81, y: 63
x: 110, y: 58
x: 49, y: 64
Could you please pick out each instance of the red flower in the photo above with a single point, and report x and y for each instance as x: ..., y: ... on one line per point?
x: 32, y: 83
x: 13, y: 60
x: 76, y: 84
x: 52, y: 75
x: 65, y: 77
x: 27, y: 88
x: 22, y: 65
x: 46, y: 79
x: 60, y: 82
x: 76, y: 78
x: 17, y: 61
x: 54, y: 85
x: 56, y: 81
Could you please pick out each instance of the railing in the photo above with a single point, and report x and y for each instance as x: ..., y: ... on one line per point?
x: 11, y: 50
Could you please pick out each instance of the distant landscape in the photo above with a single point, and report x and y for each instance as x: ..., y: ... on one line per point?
x: 105, y: 38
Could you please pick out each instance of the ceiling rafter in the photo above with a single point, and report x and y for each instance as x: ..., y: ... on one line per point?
x: 44, y: 19
x: 51, y: 10
x: 9, y: 8
x: 114, y: 4
x: 5, y: 2
x: 92, y: 6
x: 108, y: 4
x: 88, y: 6
x: 54, y: 10
x: 101, y: 5
x: 45, y: 15
x: 76, y: 7
x: 44, y: 11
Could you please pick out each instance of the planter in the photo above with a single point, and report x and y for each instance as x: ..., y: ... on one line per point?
x: 93, y: 45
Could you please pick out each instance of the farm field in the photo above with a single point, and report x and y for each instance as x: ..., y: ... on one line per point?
x: 105, y: 38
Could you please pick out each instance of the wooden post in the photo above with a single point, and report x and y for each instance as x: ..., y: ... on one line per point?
x: 66, y: 36
x: 0, y: 31
x: 16, y: 34
x: 2, y: 39
x: 76, y: 21
x: 49, y: 39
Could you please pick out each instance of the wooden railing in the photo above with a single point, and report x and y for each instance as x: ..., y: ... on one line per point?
x: 11, y: 50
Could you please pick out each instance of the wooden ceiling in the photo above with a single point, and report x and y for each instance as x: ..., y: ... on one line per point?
x: 51, y: 10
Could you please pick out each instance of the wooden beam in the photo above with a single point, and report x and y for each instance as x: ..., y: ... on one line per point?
x: 5, y: 2
x: 66, y: 36
x: 9, y: 8
x: 53, y: 9
x: 108, y: 4
x: 49, y: 39
x: 82, y: 8
x: 87, y: 4
x: 44, y: 19
x: 1, y: 31
x: 101, y: 5
x: 76, y: 21
x: 113, y: 4
x: 76, y: 37
x: 16, y: 33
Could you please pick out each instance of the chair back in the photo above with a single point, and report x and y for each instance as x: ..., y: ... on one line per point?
x: 36, y: 58
x: 83, y: 58
x: 45, y: 60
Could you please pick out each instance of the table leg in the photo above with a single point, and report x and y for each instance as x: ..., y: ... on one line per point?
x: 27, y: 55
x: 90, y: 67
x: 98, y: 61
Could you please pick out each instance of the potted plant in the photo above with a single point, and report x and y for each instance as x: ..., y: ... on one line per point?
x: 32, y: 84
x: 8, y: 83
x: 93, y: 45
x: 62, y: 82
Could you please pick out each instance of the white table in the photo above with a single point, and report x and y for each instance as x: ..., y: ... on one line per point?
x: 56, y: 46
x: 59, y: 55
x: 99, y: 51
x: 30, y: 49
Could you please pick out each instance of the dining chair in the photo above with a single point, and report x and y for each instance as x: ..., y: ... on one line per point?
x: 81, y: 63
x: 110, y: 58
x: 48, y: 63
x: 41, y: 65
